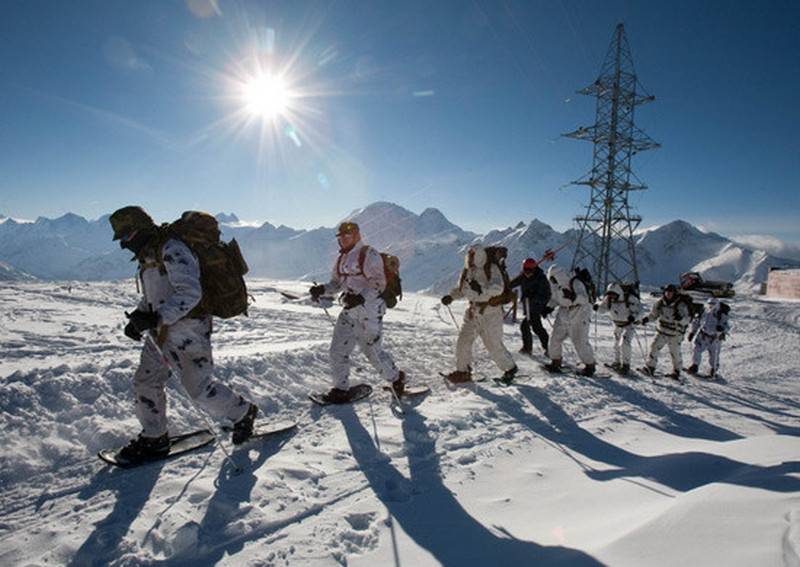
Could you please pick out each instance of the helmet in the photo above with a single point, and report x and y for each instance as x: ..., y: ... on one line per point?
x: 614, y: 289
x: 529, y: 264
x: 129, y: 219
x: 670, y: 288
x: 347, y: 228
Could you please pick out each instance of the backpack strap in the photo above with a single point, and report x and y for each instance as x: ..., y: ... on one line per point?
x: 362, y: 257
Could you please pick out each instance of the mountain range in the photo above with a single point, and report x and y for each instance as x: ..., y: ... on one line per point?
x: 429, y: 246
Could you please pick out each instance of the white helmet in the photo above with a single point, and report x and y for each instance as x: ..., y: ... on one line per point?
x: 712, y: 302
x: 615, y: 289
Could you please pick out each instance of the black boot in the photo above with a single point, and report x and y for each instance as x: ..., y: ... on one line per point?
x: 675, y: 375
x: 508, y: 375
x: 145, y: 448
x: 692, y: 369
x: 243, y: 429
x: 625, y: 369
x: 588, y: 370
x: 399, y: 385
x: 554, y: 366
x: 337, y: 396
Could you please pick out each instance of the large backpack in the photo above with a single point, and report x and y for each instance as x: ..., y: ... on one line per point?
x: 495, y: 255
x: 393, y: 292
x: 585, y: 277
x: 695, y: 309
x: 222, y: 266
x: 630, y: 290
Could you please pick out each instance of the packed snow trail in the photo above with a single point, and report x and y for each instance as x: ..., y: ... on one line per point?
x: 556, y: 470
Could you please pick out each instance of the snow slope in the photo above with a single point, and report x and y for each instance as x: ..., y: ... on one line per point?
x: 556, y: 471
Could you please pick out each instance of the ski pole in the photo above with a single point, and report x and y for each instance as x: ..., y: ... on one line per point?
x: 172, y: 370
x: 641, y: 347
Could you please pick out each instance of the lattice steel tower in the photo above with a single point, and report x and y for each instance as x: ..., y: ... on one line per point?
x: 605, y: 244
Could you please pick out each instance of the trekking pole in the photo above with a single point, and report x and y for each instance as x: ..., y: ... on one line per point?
x: 172, y: 370
x: 325, y: 309
x: 453, y: 317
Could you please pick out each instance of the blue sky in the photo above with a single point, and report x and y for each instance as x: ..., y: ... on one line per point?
x: 454, y: 105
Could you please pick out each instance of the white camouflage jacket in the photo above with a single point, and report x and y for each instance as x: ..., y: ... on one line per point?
x: 620, y: 311
x: 175, y: 290
x: 349, y: 278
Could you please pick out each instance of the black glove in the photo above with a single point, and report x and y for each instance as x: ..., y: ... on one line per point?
x: 142, y: 321
x: 546, y: 311
x: 569, y: 294
x: 631, y: 319
x: 475, y: 286
x: 316, y: 291
x: 447, y: 300
x: 645, y: 321
x: 691, y: 337
x: 722, y: 336
x: 351, y: 300
x: 132, y: 333
x: 720, y: 328
x: 595, y: 306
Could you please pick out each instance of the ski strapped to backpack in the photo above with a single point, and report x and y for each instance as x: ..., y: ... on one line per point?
x: 393, y: 292
x: 585, y: 277
x: 222, y: 266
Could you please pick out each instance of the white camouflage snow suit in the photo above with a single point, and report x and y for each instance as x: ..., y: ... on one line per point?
x: 707, y: 330
x: 673, y: 318
x: 361, y: 325
x: 173, y: 289
x: 572, y: 315
x: 481, y: 319
x: 623, y: 311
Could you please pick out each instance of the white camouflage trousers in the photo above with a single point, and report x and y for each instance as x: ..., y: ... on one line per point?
x: 623, y: 340
x: 573, y: 323
x: 674, y: 344
x: 489, y: 327
x: 188, y: 347
x: 362, y: 326
x: 704, y: 343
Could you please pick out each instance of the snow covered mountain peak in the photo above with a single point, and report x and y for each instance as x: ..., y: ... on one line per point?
x: 227, y: 218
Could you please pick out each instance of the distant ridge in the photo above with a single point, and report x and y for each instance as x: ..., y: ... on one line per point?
x: 429, y: 246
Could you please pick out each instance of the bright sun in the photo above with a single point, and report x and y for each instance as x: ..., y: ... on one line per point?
x: 266, y: 96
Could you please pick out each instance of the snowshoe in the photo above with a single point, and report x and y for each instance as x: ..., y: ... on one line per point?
x: 136, y: 453
x: 647, y: 371
x: 338, y: 396
x: 458, y: 376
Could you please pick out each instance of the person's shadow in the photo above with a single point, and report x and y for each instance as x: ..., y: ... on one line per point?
x: 208, y: 540
x: 429, y: 512
x: 133, y: 491
x: 679, y: 471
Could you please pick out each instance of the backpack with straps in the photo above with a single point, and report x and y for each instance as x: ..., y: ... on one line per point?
x: 585, y: 277
x: 695, y: 309
x: 495, y: 255
x: 222, y: 266
x: 393, y: 292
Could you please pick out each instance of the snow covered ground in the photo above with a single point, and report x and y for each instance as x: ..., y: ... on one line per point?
x: 555, y: 471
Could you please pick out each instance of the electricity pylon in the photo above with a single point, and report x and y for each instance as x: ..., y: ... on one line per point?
x: 605, y: 245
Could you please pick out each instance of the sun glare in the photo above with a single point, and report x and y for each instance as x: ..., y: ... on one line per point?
x: 266, y: 96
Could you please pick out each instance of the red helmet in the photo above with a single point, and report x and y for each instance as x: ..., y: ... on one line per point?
x: 529, y: 264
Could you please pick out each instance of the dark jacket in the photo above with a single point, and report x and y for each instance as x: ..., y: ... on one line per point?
x: 536, y: 289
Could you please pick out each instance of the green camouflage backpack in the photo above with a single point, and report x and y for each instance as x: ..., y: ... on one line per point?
x: 222, y: 266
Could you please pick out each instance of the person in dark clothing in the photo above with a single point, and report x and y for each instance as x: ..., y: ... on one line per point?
x: 535, y: 296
